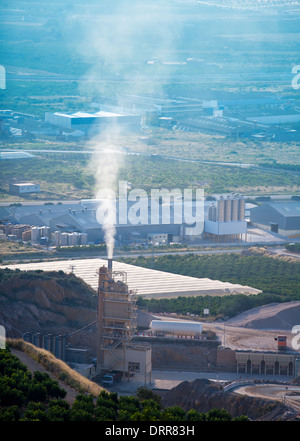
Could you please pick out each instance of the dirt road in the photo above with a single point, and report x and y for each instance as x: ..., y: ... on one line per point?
x: 34, y: 366
x: 284, y: 393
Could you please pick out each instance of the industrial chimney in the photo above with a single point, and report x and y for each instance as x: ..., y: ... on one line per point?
x: 109, y: 265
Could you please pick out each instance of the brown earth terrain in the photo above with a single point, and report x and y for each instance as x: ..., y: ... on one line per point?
x: 204, y: 395
x: 51, y: 306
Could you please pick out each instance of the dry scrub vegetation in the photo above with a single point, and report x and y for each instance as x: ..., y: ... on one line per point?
x: 58, y: 368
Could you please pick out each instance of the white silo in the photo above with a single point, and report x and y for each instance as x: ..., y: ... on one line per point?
x: 241, y: 213
x: 83, y: 238
x: 235, y: 209
x: 221, y: 209
x: 212, y: 212
x: 57, y: 235
x: 72, y: 239
x: 35, y: 234
x: 227, y: 215
x: 210, y: 216
x: 64, y: 239
x: 45, y: 232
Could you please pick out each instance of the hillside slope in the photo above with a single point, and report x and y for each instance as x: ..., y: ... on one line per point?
x: 204, y: 395
x: 46, y: 302
x: 280, y: 316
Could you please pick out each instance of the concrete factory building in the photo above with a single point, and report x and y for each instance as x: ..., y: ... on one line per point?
x: 281, y: 218
x: 86, y: 121
x: 226, y: 219
x: 115, y: 325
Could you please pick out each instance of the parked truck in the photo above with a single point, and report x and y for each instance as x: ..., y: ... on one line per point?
x: 111, y: 377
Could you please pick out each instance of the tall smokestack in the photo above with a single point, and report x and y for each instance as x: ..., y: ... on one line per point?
x: 109, y: 265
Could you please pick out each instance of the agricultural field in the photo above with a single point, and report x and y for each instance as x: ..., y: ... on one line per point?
x: 71, y: 176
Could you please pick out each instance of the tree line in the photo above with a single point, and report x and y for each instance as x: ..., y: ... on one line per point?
x: 37, y: 397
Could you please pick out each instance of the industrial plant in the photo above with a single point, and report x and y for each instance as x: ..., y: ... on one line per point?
x: 226, y: 219
x: 77, y: 223
x: 115, y: 326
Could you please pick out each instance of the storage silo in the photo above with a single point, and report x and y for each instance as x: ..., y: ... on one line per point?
x: 241, y: 215
x: 212, y: 212
x: 227, y: 209
x: 235, y: 209
x: 35, y: 234
x: 64, y: 239
x: 46, y: 232
x: 210, y: 215
x: 37, y: 340
x: 57, y: 235
x: 72, y: 239
x: 221, y: 209
x: 83, y: 237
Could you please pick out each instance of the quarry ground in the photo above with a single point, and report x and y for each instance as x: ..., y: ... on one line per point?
x: 245, y: 339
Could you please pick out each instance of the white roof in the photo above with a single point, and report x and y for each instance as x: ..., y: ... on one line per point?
x: 24, y: 183
x: 148, y: 283
x: 103, y: 114
x: 15, y: 155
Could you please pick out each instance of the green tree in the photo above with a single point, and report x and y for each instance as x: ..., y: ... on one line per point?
x: 143, y: 393
x: 128, y: 405
x: 11, y: 413
x: 174, y: 413
x: 193, y: 415
x: 35, y: 412
x: 59, y: 410
x: 218, y: 415
x: 106, y: 406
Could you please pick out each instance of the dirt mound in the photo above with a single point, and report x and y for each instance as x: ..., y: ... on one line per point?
x: 275, y: 316
x: 204, y: 395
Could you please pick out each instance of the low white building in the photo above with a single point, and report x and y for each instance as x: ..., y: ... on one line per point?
x: 24, y: 188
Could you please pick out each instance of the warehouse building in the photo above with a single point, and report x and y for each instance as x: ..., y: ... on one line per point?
x: 269, y: 363
x: 278, y: 217
x: 226, y: 219
x: 92, y: 122
x: 221, y: 125
x: 24, y: 188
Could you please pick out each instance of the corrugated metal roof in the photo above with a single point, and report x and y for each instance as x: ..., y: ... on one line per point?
x: 286, y: 208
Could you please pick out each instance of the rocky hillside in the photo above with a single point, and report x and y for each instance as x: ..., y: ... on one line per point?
x: 39, y: 301
x: 204, y: 395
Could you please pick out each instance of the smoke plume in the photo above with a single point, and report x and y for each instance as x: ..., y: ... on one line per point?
x: 106, y: 162
x: 117, y: 44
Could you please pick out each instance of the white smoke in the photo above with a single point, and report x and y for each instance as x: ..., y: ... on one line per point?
x: 120, y: 40
x: 106, y: 162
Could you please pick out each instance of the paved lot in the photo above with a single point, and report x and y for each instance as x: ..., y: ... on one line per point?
x: 169, y: 379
